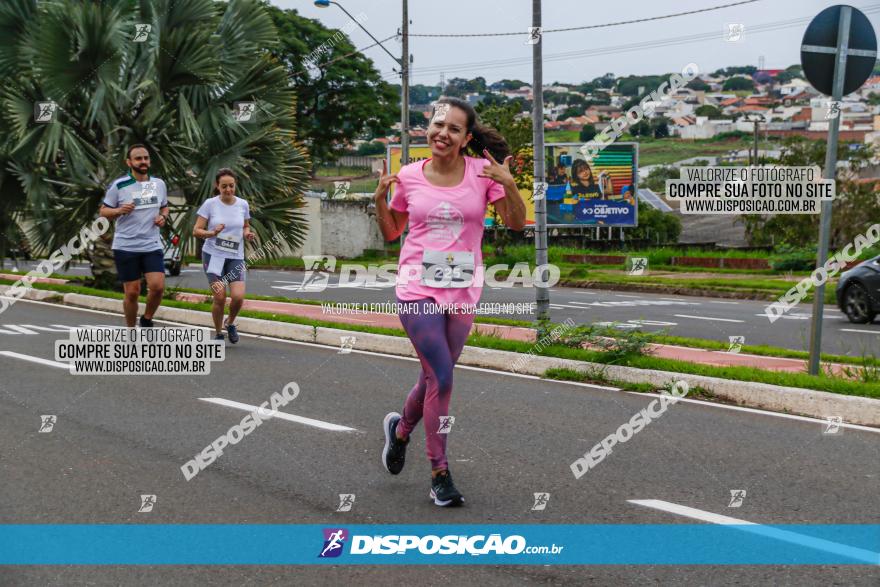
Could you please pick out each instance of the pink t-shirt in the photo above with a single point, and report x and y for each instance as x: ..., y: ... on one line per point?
x: 443, y: 221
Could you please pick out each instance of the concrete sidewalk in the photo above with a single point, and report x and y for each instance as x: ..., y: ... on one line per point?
x: 679, y: 353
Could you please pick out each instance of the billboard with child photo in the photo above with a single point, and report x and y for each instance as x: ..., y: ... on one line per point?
x: 601, y: 192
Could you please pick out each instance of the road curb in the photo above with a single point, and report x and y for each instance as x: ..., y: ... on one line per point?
x: 777, y: 398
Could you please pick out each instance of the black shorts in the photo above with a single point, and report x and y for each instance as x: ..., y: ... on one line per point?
x: 130, y: 266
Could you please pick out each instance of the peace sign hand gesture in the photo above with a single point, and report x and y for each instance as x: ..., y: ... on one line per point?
x: 499, y: 173
x: 385, y: 182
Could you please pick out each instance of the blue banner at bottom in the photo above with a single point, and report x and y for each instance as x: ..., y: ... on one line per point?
x: 487, y: 544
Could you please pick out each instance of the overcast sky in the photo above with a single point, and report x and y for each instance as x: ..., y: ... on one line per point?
x: 772, y: 28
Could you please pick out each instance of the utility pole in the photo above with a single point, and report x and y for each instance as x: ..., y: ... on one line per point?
x: 404, y: 89
x: 542, y: 294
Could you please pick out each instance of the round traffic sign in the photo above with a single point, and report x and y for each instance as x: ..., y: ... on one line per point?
x: 819, y: 50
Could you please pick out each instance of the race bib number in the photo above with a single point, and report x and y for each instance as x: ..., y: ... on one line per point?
x: 147, y: 197
x: 227, y: 242
x: 445, y: 269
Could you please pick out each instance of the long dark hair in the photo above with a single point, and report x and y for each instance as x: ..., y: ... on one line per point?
x: 576, y: 168
x: 483, y: 137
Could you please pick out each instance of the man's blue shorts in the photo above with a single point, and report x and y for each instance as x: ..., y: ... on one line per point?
x: 130, y: 266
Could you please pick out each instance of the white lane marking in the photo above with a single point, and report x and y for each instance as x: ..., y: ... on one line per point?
x: 627, y: 296
x: 280, y: 415
x: 862, y: 331
x: 709, y: 318
x: 675, y: 300
x: 558, y: 306
x: 14, y: 355
x: 469, y: 368
x: 853, y: 552
x: 764, y: 413
x: 586, y: 293
x: 20, y: 329
x: 800, y: 316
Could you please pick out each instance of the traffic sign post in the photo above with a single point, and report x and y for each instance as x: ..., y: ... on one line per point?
x: 838, y: 53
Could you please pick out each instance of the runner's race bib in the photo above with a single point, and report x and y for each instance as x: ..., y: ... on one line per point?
x: 227, y: 242
x: 147, y: 198
x: 445, y: 269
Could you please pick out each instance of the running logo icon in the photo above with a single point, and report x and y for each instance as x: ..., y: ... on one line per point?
x: 47, y: 423
x: 539, y: 191
x: 735, y: 33
x: 346, y: 344
x: 341, y: 189
x: 833, y: 425
x: 736, y: 344
x: 45, y: 111
x: 534, y: 33
x: 244, y: 111
x: 147, y: 503
x: 446, y: 423
x: 141, y: 32
x: 318, y: 269
x: 833, y: 110
x: 638, y: 265
x: 346, y: 502
x: 737, y: 496
x: 541, y: 500
x: 334, y: 541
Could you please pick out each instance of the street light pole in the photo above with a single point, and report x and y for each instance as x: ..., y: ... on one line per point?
x: 403, y: 62
x: 404, y: 89
x: 542, y: 294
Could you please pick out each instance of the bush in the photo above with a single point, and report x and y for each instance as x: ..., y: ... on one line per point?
x: 615, y: 344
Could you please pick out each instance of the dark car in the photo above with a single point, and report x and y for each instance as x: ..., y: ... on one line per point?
x: 858, y: 291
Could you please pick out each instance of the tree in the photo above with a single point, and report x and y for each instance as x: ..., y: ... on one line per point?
x: 174, y: 92
x: 517, y: 131
x: 697, y: 85
x: 371, y: 148
x: 656, y: 181
x: 660, y: 127
x: 417, y: 118
x: 709, y: 110
x: 587, y: 133
x: 508, y: 84
x: 856, y: 205
x: 661, y: 228
x: 421, y: 94
x: 641, y: 129
x: 571, y: 113
x: 340, y: 94
x: 738, y: 83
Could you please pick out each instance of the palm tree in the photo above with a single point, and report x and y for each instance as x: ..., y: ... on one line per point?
x: 172, y: 85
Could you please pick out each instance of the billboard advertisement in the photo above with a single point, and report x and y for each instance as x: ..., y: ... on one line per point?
x: 598, y: 193
x: 601, y: 192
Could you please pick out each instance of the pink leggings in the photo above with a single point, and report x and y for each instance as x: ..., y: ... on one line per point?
x: 438, y: 340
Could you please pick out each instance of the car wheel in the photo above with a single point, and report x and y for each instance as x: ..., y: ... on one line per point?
x: 174, y: 270
x: 857, y: 305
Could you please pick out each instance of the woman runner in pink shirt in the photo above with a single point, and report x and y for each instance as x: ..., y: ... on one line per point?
x: 440, y: 280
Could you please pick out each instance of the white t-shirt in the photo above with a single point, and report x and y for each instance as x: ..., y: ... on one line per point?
x: 137, y: 231
x: 230, y: 242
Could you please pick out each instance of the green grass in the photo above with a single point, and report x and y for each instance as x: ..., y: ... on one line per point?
x: 802, y: 380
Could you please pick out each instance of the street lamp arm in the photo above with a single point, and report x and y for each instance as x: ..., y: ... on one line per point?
x: 378, y: 42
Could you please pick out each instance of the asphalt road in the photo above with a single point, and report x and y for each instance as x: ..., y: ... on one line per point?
x: 688, y: 316
x: 117, y: 437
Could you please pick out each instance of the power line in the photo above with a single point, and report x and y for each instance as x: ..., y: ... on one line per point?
x: 592, y: 26
x: 699, y: 37
x: 347, y: 55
